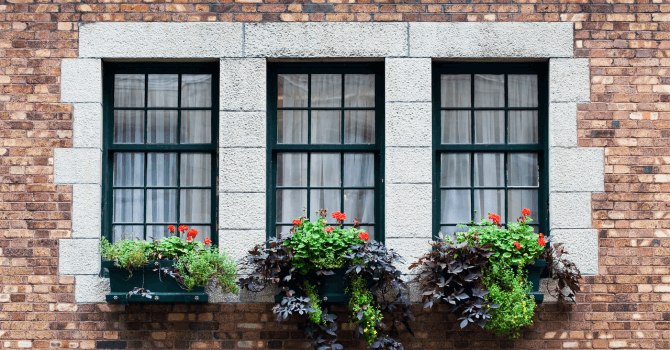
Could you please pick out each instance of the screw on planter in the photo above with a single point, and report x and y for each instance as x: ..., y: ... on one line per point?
x: 196, y: 298
x: 325, y: 298
x: 156, y: 298
x: 157, y: 263
x: 116, y: 297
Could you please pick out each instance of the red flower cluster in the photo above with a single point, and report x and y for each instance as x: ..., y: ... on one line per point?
x: 191, y: 234
x: 171, y: 229
x: 207, y: 241
x: 339, y: 216
x: 364, y: 236
x: 297, y: 222
x: 541, y: 241
x: 495, y: 218
x: 328, y: 229
x: 525, y: 212
x: 517, y: 245
x: 182, y: 228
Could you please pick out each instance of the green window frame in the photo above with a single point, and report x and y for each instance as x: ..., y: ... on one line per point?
x: 276, y: 148
x: 178, y: 149
x: 468, y: 150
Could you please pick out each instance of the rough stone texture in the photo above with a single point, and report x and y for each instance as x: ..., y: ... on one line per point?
x: 582, y: 244
x: 491, y: 40
x: 569, y: 80
x: 86, y: 211
x: 403, y: 203
x: 570, y: 210
x: 325, y: 39
x: 160, y: 40
x: 576, y: 170
x: 242, y: 170
x: 81, y: 80
x: 242, y: 129
x: 243, y: 84
x: 91, y: 289
x: 410, y: 249
x: 408, y: 79
x: 87, y: 128
x: 79, y: 256
x: 563, y: 124
x: 77, y: 166
x: 242, y: 211
x: 408, y: 165
x: 409, y: 124
x: 238, y: 242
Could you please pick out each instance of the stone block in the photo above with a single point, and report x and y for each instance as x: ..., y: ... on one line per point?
x: 409, y: 210
x: 242, y: 169
x: 243, y: 84
x: 569, y: 80
x: 242, y: 129
x: 582, y: 246
x: 77, y: 166
x: 81, y: 80
x: 91, y: 289
x: 563, y: 124
x: 409, y: 165
x: 408, y: 79
x: 409, y: 124
x: 576, y: 170
x: 242, y: 211
x: 79, y: 256
x: 86, y: 211
x: 570, y: 209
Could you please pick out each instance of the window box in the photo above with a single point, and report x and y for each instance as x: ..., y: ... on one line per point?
x: 331, y: 289
x: 163, y: 288
x: 534, y: 272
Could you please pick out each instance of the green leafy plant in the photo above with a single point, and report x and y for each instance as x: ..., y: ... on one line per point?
x: 197, y: 263
x: 297, y: 262
x: 508, y: 288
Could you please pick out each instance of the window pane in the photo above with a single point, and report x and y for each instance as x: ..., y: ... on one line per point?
x: 196, y: 90
x: 129, y: 232
x: 162, y: 169
x: 163, y: 90
x: 129, y: 206
x: 128, y: 169
x: 326, y: 127
x: 162, y: 126
x: 520, y: 199
x: 522, y: 90
x: 325, y: 170
x: 196, y: 169
x: 489, y: 201
x: 290, y: 204
x: 456, y: 127
x: 196, y: 126
x: 283, y: 229
x: 489, y: 90
x: 195, y: 206
x: 324, y: 199
x: 326, y: 90
x: 455, y: 206
x: 129, y: 90
x: 128, y: 126
x: 523, y: 127
x: 157, y: 232
x: 489, y: 169
x: 369, y: 229
x: 359, y: 170
x: 489, y: 127
x: 292, y: 127
x: 359, y: 90
x: 162, y: 206
x: 359, y: 205
x: 451, y: 230
x: 455, y: 90
x: 292, y: 169
x: 455, y: 170
x: 292, y: 90
x: 523, y: 169
x: 359, y: 127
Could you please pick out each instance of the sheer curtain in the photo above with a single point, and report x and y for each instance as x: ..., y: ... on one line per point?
x: 147, y: 196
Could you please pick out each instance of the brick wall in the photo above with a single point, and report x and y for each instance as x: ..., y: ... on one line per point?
x: 626, y: 306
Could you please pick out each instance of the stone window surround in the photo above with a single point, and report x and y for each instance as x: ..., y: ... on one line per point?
x: 243, y: 49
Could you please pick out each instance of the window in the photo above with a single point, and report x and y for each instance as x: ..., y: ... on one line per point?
x: 325, y: 143
x: 160, y: 149
x: 490, y: 142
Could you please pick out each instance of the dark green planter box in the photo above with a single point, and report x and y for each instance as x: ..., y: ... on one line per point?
x: 164, y: 289
x: 331, y: 289
x: 534, y: 272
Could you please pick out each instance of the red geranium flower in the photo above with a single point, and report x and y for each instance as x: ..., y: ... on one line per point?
x: 207, y: 241
x: 188, y: 239
x: 171, y: 228
x: 495, y: 218
x: 525, y: 212
x: 364, y: 236
x: 182, y: 228
x: 541, y: 240
x: 339, y: 216
x: 328, y: 229
x: 192, y: 233
x: 518, y: 246
x: 297, y: 222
